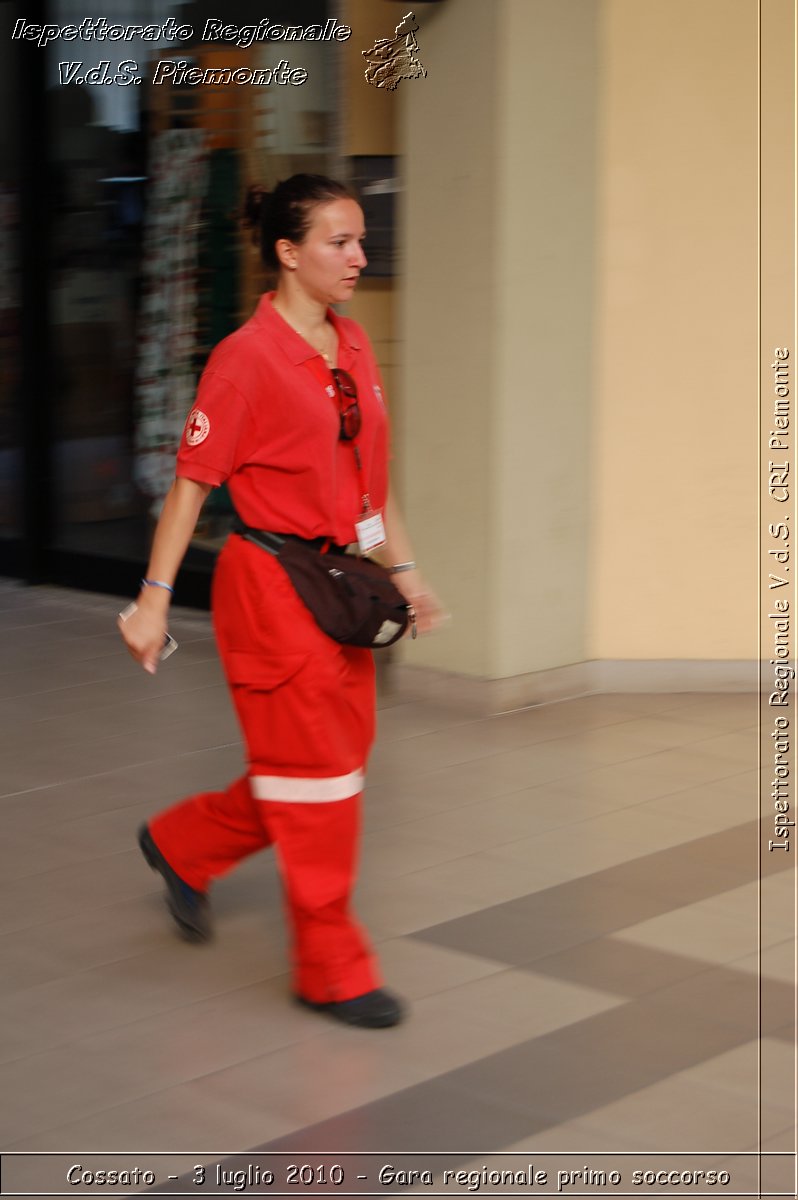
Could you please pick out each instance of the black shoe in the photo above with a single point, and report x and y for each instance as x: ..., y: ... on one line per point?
x: 189, y: 908
x: 372, y: 1010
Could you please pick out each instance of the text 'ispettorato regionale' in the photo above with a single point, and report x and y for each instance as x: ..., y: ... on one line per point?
x: 100, y: 29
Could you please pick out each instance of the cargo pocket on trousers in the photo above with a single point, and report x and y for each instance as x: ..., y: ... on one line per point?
x: 272, y: 700
x: 262, y: 672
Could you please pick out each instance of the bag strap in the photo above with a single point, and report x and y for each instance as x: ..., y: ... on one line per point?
x: 272, y: 543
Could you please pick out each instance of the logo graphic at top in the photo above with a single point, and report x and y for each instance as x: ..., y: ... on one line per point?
x: 390, y: 60
x: 197, y: 427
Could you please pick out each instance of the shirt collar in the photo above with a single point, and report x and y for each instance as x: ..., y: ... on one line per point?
x: 292, y: 343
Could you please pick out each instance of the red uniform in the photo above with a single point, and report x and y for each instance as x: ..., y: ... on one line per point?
x: 266, y: 421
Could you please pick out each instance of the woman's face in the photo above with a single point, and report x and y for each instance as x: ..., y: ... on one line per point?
x: 330, y: 259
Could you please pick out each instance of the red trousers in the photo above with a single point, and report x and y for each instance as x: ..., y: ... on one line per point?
x: 306, y: 708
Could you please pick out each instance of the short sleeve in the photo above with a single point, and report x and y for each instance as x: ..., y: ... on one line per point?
x: 217, y: 432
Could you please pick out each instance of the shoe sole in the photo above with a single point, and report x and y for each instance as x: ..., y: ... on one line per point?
x: 340, y: 1015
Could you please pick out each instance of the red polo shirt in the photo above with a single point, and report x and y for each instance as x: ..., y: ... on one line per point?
x: 266, y: 421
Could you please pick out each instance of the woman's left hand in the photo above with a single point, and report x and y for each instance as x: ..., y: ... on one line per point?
x: 430, y: 614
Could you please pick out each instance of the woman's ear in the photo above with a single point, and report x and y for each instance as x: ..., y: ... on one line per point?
x: 286, y: 253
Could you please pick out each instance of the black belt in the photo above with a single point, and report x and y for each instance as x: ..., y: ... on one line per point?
x: 272, y: 542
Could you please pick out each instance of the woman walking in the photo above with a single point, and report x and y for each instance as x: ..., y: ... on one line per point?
x: 289, y: 413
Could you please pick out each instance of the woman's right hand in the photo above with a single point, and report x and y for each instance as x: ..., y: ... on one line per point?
x: 144, y: 632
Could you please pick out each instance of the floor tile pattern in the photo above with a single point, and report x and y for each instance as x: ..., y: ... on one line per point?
x: 576, y: 899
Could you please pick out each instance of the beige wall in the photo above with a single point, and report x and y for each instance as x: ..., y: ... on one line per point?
x: 369, y: 113
x: 779, y: 329
x: 674, y: 445
x: 374, y: 306
x: 578, y: 323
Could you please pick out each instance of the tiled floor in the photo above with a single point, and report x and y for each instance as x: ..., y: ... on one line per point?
x: 569, y: 895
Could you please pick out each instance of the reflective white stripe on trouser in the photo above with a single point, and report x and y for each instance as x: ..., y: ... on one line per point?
x: 299, y: 790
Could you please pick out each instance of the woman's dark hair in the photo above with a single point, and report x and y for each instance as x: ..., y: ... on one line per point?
x: 287, y: 211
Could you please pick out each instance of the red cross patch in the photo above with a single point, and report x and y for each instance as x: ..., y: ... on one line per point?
x: 197, y: 427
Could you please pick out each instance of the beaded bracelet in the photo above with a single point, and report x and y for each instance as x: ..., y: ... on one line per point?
x: 158, y: 583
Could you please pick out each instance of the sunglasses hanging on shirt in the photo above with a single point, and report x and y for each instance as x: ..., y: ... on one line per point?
x: 349, y: 413
x: 369, y: 526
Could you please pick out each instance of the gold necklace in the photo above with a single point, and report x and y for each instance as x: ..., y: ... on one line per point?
x: 328, y: 333
x: 328, y: 358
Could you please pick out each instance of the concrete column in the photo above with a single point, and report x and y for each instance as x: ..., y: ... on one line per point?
x: 498, y: 229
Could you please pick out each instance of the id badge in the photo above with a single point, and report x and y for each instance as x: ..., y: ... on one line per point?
x: 370, y: 531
